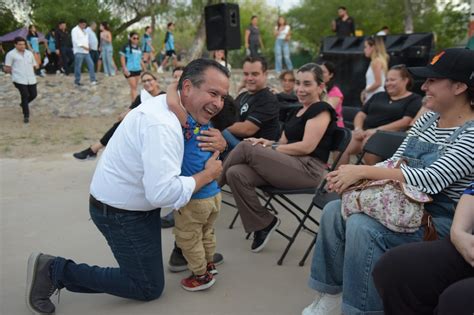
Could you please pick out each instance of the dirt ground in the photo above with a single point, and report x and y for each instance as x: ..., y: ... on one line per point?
x: 48, y: 135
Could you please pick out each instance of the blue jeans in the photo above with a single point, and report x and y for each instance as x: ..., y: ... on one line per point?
x: 135, y: 240
x: 107, y: 55
x: 78, y: 60
x: 346, y: 252
x: 282, y: 47
x: 232, y: 140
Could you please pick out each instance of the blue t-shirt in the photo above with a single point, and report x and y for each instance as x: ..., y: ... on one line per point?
x: 470, y: 190
x: 51, y: 43
x: 195, y: 159
x: 34, y: 42
x: 169, y: 41
x: 133, y: 57
x: 145, y: 46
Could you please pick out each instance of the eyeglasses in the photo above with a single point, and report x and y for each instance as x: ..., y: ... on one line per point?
x: 134, y: 37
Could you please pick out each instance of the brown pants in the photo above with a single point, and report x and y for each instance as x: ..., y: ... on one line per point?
x: 194, y: 231
x: 248, y: 167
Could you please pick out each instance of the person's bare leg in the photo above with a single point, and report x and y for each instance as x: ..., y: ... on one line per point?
x: 133, y: 82
x: 96, y: 147
x: 354, y: 147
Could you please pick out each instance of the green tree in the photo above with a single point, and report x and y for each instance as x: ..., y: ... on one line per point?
x: 8, y: 21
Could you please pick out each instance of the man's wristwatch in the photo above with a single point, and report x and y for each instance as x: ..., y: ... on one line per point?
x: 275, y: 145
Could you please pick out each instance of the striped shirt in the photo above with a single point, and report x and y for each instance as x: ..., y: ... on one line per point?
x: 452, y: 172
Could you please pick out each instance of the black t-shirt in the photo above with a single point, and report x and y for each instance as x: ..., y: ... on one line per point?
x: 345, y: 28
x: 261, y: 109
x: 295, y: 126
x: 382, y: 110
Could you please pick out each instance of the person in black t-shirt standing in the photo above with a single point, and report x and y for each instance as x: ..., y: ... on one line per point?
x: 258, y: 106
x: 344, y: 25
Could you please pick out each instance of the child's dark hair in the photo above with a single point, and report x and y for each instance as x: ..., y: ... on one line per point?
x: 227, y: 116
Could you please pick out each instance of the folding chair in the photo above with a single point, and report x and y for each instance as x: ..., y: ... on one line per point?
x: 383, y: 144
x: 341, y: 139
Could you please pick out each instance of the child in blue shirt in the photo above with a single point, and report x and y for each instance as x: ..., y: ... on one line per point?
x: 194, y: 223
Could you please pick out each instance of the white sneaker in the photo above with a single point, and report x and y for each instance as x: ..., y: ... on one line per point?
x: 94, y: 83
x: 324, y: 304
x: 160, y: 69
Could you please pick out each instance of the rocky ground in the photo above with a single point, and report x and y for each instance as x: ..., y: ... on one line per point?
x: 64, y: 118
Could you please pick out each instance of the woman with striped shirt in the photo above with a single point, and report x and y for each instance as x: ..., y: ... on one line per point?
x: 439, y: 152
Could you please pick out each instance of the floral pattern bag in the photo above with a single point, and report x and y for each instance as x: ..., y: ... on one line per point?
x: 396, y: 205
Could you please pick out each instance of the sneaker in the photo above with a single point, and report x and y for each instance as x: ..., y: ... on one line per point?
x: 87, y: 154
x: 26, y: 120
x: 198, y: 283
x: 94, y: 83
x: 261, y: 237
x: 160, y: 70
x: 211, y: 268
x: 167, y: 221
x: 324, y: 304
x: 39, y: 286
x: 178, y: 263
x: 77, y: 84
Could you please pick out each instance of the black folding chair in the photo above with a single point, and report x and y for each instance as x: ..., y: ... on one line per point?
x: 341, y: 139
x: 383, y: 144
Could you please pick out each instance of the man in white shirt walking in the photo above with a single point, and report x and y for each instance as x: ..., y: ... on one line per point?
x: 21, y: 63
x: 80, y: 47
x: 138, y: 174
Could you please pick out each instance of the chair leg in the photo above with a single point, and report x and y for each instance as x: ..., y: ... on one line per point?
x: 248, y: 236
x: 306, y: 254
x: 292, y: 239
x: 231, y: 226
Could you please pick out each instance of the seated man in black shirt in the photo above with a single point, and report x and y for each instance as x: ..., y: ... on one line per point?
x: 257, y: 106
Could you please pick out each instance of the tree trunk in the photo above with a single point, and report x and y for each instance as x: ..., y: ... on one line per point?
x: 195, y: 51
x: 408, y: 17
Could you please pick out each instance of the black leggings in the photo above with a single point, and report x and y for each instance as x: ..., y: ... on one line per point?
x: 106, y: 137
x: 425, y: 278
x: 28, y: 93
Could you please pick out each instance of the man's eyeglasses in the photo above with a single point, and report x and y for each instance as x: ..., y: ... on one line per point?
x: 134, y: 37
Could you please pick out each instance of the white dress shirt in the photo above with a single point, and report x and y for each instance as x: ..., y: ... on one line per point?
x: 92, y: 37
x: 79, y: 40
x: 22, y: 65
x: 141, y: 165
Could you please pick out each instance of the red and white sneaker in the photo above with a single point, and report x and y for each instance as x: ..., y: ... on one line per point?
x: 198, y: 283
x: 211, y: 268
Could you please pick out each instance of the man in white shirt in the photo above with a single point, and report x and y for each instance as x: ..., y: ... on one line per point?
x: 80, y: 47
x: 139, y: 173
x: 93, y: 42
x: 21, y: 63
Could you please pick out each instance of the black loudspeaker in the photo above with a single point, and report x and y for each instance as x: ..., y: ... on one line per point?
x: 347, y: 53
x: 222, y: 26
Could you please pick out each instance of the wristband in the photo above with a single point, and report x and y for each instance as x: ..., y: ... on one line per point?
x: 275, y: 145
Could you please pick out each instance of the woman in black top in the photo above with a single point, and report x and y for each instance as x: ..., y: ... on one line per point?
x: 297, y: 160
x: 392, y: 110
x: 150, y: 89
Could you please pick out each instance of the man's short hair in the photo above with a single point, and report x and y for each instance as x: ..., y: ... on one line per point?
x: 61, y: 22
x: 253, y: 17
x: 82, y: 21
x: 169, y: 24
x: 342, y: 8
x: 262, y: 61
x: 19, y: 39
x: 194, y: 71
x: 147, y: 27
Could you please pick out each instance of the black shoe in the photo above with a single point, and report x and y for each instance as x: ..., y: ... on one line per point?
x: 87, y: 154
x: 26, y: 120
x: 261, y: 237
x: 39, y: 286
x: 178, y: 263
x: 167, y: 221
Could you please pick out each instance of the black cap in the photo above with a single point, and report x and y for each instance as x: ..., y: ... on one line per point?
x: 454, y: 63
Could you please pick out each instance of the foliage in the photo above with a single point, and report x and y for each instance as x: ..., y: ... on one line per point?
x: 8, y: 22
x: 311, y: 21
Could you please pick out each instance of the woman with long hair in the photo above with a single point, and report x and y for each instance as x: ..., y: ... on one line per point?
x: 297, y: 160
x: 374, y: 48
x: 282, y: 47
x: 132, y: 63
x: 439, y: 159
x: 107, y: 50
x: 334, y: 96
